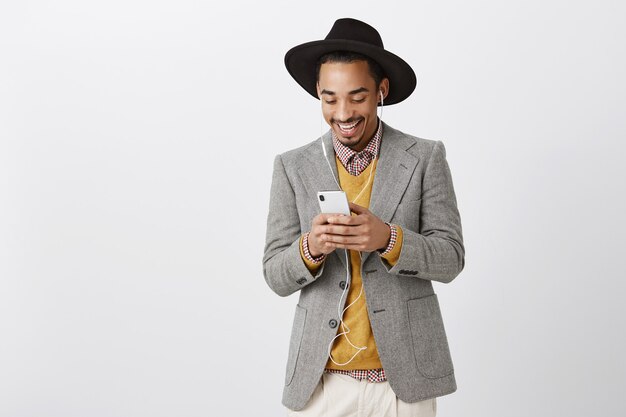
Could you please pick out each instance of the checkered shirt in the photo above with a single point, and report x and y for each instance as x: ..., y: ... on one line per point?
x: 356, y: 162
x: 372, y: 375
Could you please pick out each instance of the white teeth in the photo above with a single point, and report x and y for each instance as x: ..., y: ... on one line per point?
x: 348, y: 127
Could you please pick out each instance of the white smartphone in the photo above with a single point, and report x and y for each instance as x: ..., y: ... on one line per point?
x: 333, y: 202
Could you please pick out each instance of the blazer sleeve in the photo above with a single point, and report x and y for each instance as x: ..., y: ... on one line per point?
x: 283, y: 267
x: 437, y: 252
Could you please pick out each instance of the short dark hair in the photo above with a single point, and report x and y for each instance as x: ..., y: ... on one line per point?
x: 376, y: 71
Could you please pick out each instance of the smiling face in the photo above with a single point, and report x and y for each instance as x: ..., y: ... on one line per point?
x: 349, y: 98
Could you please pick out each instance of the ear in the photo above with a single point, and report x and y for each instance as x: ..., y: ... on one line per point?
x: 319, y: 92
x: 384, y: 87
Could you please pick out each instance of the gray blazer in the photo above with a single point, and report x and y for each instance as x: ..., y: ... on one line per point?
x: 413, y: 188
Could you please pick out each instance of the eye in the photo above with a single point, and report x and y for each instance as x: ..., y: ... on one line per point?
x: 330, y: 101
x: 359, y: 100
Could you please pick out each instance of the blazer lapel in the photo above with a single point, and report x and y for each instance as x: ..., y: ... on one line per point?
x: 393, y: 173
x: 317, y: 174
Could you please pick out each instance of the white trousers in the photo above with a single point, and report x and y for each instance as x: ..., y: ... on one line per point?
x: 338, y: 395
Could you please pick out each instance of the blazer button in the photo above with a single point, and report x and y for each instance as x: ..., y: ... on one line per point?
x: 342, y: 285
x: 332, y: 323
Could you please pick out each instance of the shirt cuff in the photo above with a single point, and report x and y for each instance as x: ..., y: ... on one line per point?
x: 392, y: 253
x: 312, y: 263
x: 392, y: 239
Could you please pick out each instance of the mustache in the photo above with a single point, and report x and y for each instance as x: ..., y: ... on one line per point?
x: 350, y: 120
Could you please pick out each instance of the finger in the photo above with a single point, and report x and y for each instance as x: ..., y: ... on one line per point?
x: 340, y: 230
x: 358, y: 209
x: 322, y: 218
x: 341, y: 239
x: 351, y: 221
x: 341, y: 219
x: 355, y: 247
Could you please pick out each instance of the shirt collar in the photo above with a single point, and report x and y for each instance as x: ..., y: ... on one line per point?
x: 345, y: 154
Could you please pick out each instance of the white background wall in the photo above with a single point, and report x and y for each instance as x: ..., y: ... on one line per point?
x: 130, y: 257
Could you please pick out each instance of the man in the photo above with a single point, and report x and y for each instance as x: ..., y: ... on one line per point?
x: 381, y: 350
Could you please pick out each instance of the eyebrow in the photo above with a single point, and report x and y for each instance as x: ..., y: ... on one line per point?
x: 357, y: 91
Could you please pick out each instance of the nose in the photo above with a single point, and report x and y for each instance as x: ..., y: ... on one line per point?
x: 343, y: 111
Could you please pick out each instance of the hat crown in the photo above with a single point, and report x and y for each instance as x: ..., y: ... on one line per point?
x: 358, y: 37
x: 355, y: 30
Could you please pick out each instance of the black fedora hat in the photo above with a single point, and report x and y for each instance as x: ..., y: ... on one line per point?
x: 354, y: 36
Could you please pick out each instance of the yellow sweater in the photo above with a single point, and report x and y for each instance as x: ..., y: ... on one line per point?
x: 356, y: 317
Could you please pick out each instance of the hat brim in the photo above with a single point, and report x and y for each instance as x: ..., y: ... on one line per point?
x: 302, y: 59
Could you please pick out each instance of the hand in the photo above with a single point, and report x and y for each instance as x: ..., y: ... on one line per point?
x: 317, y: 245
x: 364, y: 232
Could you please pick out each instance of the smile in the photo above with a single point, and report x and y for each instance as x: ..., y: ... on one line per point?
x: 348, y: 129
